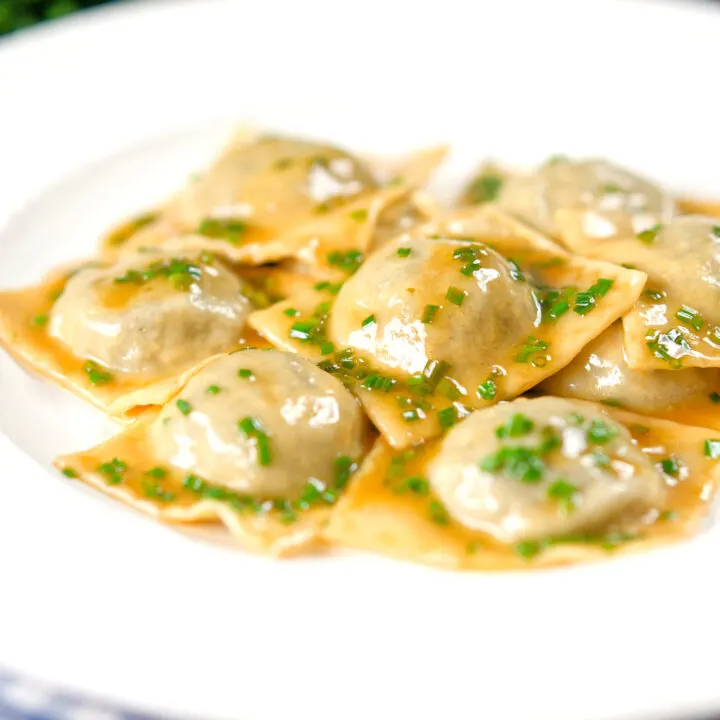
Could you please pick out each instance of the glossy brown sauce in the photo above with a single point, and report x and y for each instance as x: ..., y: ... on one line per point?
x: 544, y: 266
x: 33, y: 345
x: 378, y: 517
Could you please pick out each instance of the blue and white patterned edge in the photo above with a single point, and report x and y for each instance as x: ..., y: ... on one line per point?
x: 25, y: 699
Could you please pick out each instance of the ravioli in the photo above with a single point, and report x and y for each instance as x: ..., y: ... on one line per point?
x: 676, y: 322
x: 262, y: 441
x: 601, y: 373
x: 272, y: 197
x: 538, y: 482
x: 574, y: 200
x: 122, y: 335
x: 436, y: 323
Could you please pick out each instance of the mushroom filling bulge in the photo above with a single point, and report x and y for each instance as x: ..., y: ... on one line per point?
x: 263, y: 423
x: 601, y: 373
x: 420, y: 300
x: 608, y: 198
x: 544, y: 468
x: 151, y: 314
x: 270, y: 181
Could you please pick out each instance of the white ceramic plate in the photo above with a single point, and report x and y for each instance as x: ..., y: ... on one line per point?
x: 103, y: 113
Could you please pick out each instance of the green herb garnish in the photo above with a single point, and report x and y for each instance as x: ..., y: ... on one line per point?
x: 648, y: 236
x: 483, y: 189
x: 113, y: 471
x: 252, y: 429
x: 455, y: 295
x: 429, y: 313
x: 183, y: 406
x: 688, y: 316
x: 231, y: 230
x: 487, y: 390
x: 96, y: 374
x: 712, y: 448
x: 348, y: 261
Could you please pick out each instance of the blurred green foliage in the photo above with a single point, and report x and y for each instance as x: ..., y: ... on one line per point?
x: 16, y: 14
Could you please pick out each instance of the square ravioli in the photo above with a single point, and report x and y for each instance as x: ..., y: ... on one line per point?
x: 574, y: 200
x: 601, y: 373
x: 471, y: 309
x: 532, y: 483
x: 123, y: 335
x: 269, y: 197
x: 260, y: 441
x: 676, y: 321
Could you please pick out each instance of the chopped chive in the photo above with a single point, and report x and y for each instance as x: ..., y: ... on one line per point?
x: 670, y: 466
x: 291, y: 312
x: 448, y: 389
x: 429, y: 313
x: 690, y: 317
x: 416, y: 485
x: 327, y: 348
x: 483, y: 189
x: 558, y: 309
x: 716, y: 230
x: 221, y: 229
x: 600, y: 432
x: 528, y: 549
x: 653, y: 294
x: 403, y: 252
x: 213, y: 389
x: 411, y: 415
x: 438, y: 514
x: 447, y: 417
x: 153, y: 491
x: 96, y: 374
x: 375, y: 381
x: 515, y: 272
x: 68, y: 472
x: 348, y: 261
x: 455, y: 295
x: 184, y: 406
x: 533, y: 351
x: 251, y: 428
x: 517, y: 426
x: 40, y: 320
x: 601, y: 287
x: 714, y: 398
x: 113, y: 471
x: 343, y: 468
x: 263, y: 450
x: 157, y: 472
x: 520, y: 463
x: 359, y: 215
x: 369, y: 320
x: 712, y: 448
x: 245, y: 374
x: 600, y: 458
x: 611, y: 402
x: 302, y: 330
x: 648, y: 236
x: 487, y: 390
x: 564, y: 492
x: 584, y: 303
x: 667, y: 515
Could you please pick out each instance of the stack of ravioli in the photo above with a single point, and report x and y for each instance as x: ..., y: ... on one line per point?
x: 309, y: 352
